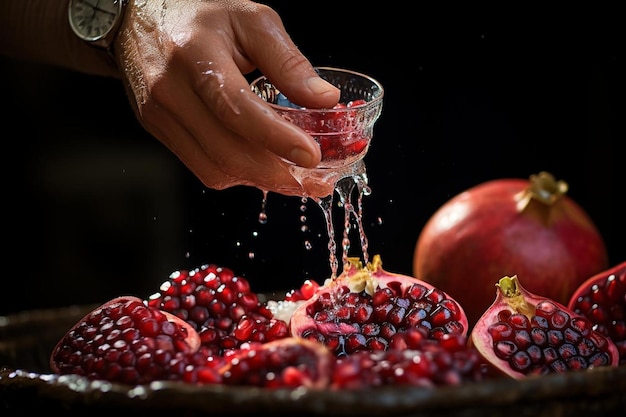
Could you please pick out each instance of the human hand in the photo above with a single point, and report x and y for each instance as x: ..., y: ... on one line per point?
x: 184, y: 65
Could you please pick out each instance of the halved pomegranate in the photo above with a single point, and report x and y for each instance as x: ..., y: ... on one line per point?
x: 602, y: 299
x: 364, y: 307
x: 126, y: 341
x: 523, y: 334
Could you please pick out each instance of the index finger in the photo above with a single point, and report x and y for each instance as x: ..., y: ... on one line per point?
x: 226, y: 92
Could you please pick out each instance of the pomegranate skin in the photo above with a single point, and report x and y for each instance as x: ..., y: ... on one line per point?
x: 509, y: 227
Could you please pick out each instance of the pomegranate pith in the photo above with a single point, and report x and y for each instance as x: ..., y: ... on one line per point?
x: 525, y: 334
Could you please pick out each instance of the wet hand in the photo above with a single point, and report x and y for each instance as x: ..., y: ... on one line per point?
x: 184, y: 65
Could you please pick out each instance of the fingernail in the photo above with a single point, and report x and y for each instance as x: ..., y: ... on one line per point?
x: 300, y: 157
x: 319, y: 86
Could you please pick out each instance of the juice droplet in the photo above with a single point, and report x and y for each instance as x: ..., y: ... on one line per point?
x: 263, y: 212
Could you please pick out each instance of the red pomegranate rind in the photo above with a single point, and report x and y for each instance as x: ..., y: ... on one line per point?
x: 364, y: 307
x: 525, y: 334
x: 602, y: 299
x: 285, y: 363
x: 124, y: 341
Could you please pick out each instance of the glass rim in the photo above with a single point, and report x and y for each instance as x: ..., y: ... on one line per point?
x: 371, y: 103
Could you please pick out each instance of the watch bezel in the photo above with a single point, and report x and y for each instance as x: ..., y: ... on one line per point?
x: 105, y: 39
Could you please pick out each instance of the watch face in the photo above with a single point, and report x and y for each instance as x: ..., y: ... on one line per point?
x: 94, y: 19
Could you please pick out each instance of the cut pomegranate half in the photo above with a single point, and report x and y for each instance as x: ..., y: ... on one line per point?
x: 522, y: 334
x: 125, y: 341
x: 364, y: 307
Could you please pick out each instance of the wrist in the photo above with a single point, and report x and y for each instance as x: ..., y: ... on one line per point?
x: 97, y: 24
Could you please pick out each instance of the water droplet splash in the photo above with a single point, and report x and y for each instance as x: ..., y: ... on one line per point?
x: 263, y: 212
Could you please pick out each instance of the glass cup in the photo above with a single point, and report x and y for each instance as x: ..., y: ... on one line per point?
x: 343, y: 133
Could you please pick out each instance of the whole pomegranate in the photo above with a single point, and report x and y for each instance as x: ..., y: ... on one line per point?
x: 364, y: 307
x: 529, y: 228
x: 523, y: 333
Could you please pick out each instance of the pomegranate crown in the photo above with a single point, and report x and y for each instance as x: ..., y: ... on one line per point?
x: 511, y: 291
x: 360, y: 278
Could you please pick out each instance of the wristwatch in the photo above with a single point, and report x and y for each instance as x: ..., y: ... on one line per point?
x: 96, y: 21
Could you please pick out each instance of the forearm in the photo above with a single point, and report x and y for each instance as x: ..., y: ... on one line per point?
x: 39, y: 31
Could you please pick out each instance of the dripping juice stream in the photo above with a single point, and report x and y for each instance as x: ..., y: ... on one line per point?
x: 344, y: 188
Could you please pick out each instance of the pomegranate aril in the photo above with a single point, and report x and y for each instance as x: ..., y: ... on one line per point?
x: 535, y: 354
x: 522, y: 339
x: 520, y: 361
x: 505, y: 349
x: 539, y: 336
x: 499, y: 331
x: 355, y: 342
x: 550, y: 355
x: 600, y: 359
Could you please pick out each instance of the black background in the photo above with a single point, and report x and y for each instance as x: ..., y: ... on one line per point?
x: 94, y: 207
